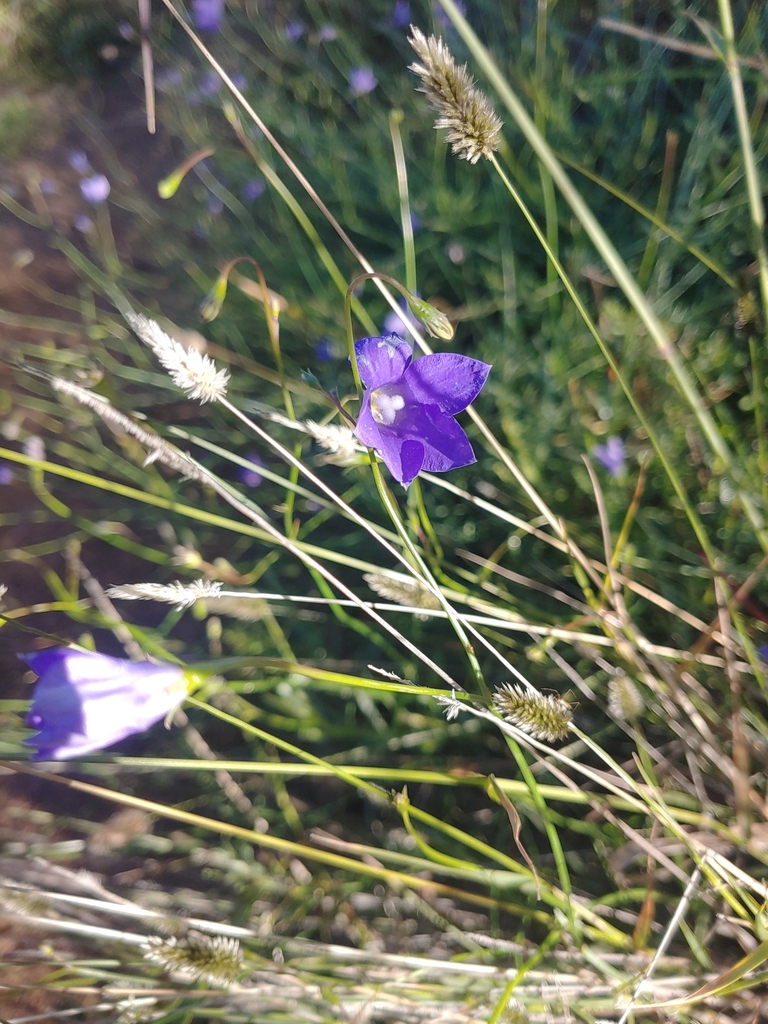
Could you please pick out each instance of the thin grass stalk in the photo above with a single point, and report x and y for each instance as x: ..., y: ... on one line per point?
x: 614, y: 262
x: 409, y: 250
x: 754, y: 188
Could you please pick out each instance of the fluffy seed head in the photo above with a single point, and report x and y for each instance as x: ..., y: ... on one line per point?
x: 545, y: 716
x: 191, y: 371
x: 214, y: 959
x: 182, y: 595
x: 336, y: 439
x: 412, y: 595
x: 624, y: 699
x: 467, y: 113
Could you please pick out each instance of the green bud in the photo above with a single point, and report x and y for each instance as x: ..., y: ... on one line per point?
x: 436, y: 323
x: 169, y: 186
x: 211, y: 305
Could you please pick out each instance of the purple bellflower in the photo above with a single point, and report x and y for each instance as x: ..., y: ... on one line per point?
x: 401, y: 14
x: 611, y: 455
x: 294, y: 30
x: 208, y: 15
x: 85, y: 702
x: 78, y: 161
x: 251, y: 477
x: 408, y: 407
x: 362, y: 81
x: 95, y: 189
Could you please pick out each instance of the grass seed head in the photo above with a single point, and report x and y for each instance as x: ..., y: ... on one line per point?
x: 467, y: 113
x: 212, y: 958
x: 545, y: 716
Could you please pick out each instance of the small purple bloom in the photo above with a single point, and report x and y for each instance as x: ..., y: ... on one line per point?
x: 126, y: 30
x: 252, y: 189
x: 210, y: 84
x: 443, y: 18
x: 249, y: 476
x: 215, y: 205
x: 6, y: 474
x: 48, y: 186
x: 239, y: 81
x: 83, y: 223
x: 763, y: 652
x: 95, y: 189
x: 397, y: 323
x: 294, y: 31
x: 401, y: 14
x: 85, y: 702
x: 325, y: 350
x: 415, y: 222
x: 328, y: 33
x: 362, y: 81
x: 78, y: 161
x: 611, y: 455
x: 208, y: 15
x: 408, y: 407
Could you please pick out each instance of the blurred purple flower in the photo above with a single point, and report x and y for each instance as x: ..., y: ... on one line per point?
x: 415, y: 222
x: 250, y: 477
x: 48, y: 186
x: 83, y: 223
x: 396, y: 323
x: 208, y: 15
x: 78, y: 161
x: 6, y: 474
x: 328, y: 33
x: 294, y: 30
x: 215, y: 205
x: 239, y: 81
x: 408, y: 407
x: 210, y: 84
x: 325, y: 350
x: 34, y: 448
x: 252, y: 189
x: 763, y: 652
x: 85, y: 702
x: 443, y: 18
x: 362, y: 81
x: 611, y: 455
x: 401, y: 14
x: 126, y: 30
x: 95, y: 189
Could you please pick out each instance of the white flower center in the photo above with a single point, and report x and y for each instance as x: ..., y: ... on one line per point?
x: 386, y: 403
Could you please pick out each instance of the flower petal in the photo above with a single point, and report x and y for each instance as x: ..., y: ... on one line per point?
x: 382, y: 360
x: 366, y: 429
x: 447, y: 380
x: 403, y: 457
x: 446, y: 446
x: 85, y: 702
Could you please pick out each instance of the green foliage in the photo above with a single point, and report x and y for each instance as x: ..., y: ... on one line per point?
x: 497, y: 570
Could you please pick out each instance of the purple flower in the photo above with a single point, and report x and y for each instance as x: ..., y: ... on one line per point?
x: 249, y: 476
x: 48, y: 186
x: 252, y: 189
x: 95, y: 189
x: 83, y: 223
x: 215, y: 205
x: 126, y: 30
x: 408, y: 407
x: 210, y: 84
x: 294, y: 31
x: 397, y: 323
x: 208, y: 15
x: 325, y: 350
x: 85, y: 702
x: 328, y: 33
x: 611, y: 455
x: 362, y: 81
x: 763, y: 652
x: 401, y: 14
x: 78, y: 161
x: 443, y: 18
x: 6, y: 474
